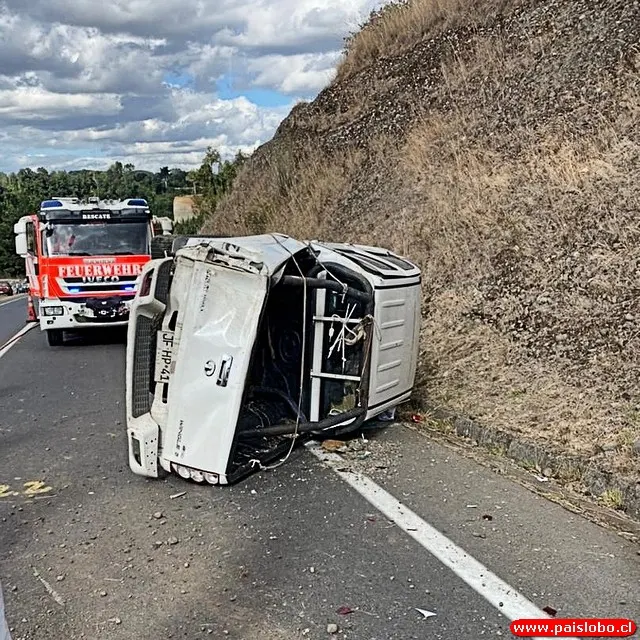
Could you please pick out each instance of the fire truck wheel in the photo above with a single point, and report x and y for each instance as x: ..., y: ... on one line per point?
x: 55, y: 337
x: 161, y: 247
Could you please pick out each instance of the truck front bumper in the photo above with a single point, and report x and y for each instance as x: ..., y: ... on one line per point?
x: 143, y: 436
x: 97, y: 312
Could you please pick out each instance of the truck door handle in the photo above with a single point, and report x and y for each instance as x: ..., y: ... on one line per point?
x: 225, y: 368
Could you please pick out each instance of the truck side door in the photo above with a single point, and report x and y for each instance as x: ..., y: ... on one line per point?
x: 32, y: 265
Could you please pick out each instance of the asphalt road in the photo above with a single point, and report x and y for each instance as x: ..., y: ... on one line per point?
x: 89, y: 550
x: 13, y: 315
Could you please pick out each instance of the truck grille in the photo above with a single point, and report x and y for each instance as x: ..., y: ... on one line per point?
x: 163, y: 281
x: 145, y: 346
x: 144, y: 356
x: 80, y: 286
x: 85, y: 299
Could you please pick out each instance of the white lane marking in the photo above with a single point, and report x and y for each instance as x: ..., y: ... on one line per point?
x: 502, y: 596
x: 20, y: 296
x: 12, y: 341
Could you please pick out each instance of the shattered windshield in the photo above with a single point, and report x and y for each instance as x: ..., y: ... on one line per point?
x: 97, y: 239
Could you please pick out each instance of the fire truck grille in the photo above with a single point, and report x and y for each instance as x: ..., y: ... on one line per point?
x: 144, y: 350
x: 81, y: 286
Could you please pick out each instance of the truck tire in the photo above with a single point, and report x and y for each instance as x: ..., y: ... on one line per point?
x: 55, y: 337
x: 161, y: 247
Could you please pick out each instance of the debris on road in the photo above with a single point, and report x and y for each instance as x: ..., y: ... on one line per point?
x: 334, y: 446
x: 50, y: 590
x: 318, y: 340
x: 332, y: 628
x: 345, y: 610
x: 425, y: 613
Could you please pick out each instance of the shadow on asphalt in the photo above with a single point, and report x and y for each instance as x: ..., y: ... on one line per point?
x: 95, y: 337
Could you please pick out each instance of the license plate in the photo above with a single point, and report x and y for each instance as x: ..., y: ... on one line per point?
x: 164, y: 356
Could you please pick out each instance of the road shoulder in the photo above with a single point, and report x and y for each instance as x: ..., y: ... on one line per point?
x: 489, y: 512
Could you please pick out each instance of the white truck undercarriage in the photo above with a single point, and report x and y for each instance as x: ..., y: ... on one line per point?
x: 239, y: 348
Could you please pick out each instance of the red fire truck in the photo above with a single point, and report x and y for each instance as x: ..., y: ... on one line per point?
x: 83, y: 259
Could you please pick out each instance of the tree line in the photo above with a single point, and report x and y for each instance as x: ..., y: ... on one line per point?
x: 21, y: 193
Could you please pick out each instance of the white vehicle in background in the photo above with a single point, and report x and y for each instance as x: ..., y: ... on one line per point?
x: 240, y: 347
x: 4, y: 627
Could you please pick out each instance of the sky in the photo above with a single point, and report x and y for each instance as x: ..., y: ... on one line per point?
x: 84, y: 83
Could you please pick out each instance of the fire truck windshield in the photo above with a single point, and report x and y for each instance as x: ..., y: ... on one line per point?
x: 97, y: 239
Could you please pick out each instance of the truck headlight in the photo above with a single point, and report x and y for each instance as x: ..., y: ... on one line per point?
x: 196, y: 475
x: 211, y: 478
x: 53, y: 311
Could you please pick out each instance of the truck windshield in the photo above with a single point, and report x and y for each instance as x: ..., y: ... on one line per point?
x: 98, y: 239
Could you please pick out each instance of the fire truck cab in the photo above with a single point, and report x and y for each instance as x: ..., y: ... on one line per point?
x: 83, y: 259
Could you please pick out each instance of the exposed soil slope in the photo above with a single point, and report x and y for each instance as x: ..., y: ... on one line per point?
x: 500, y: 149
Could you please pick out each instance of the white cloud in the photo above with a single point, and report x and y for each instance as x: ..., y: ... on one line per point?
x: 40, y: 104
x: 294, y: 74
x: 154, y: 82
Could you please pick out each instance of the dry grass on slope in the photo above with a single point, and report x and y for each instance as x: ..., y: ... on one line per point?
x: 515, y: 187
x: 403, y: 23
x: 533, y: 269
x: 293, y: 195
x: 530, y: 243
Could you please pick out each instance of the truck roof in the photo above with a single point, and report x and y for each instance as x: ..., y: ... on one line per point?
x: 77, y: 204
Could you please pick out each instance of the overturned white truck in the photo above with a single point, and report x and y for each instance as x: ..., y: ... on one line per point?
x: 238, y: 345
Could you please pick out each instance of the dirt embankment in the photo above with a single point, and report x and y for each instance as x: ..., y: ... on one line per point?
x: 500, y: 149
